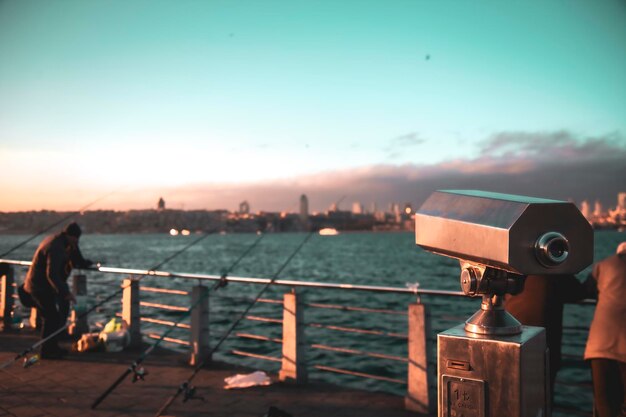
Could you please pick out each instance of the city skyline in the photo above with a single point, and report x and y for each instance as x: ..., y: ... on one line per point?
x: 211, y: 103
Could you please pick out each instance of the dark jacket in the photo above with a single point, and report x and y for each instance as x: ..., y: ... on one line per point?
x: 76, y: 261
x: 541, y: 304
x: 51, y: 266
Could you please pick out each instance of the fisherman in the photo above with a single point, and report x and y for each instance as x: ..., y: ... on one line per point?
x: 46, y: 282
x: 606, y: 345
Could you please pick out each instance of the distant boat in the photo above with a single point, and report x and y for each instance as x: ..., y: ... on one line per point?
x: 328, y: 231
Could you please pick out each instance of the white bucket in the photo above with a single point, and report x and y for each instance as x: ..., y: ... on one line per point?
x: 115, y: 341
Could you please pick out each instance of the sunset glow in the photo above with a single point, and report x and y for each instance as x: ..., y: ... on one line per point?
x: 211, y: 103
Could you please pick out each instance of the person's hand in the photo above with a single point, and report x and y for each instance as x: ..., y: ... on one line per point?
x: 70, y: 297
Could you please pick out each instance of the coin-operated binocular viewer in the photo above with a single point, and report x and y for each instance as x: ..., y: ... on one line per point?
x: 492, y: 366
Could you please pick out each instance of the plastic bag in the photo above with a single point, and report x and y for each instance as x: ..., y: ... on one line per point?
x: 258, y: 378
x: 114, y: 325
x: 115, y: 336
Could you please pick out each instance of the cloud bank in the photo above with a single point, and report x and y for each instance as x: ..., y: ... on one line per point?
x: 555, y: 165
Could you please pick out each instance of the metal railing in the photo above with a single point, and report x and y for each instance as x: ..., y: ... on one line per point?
x: 320, y: 355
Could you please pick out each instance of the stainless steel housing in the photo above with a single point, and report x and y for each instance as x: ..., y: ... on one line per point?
x: 493, y: 376
x: 523, y: 235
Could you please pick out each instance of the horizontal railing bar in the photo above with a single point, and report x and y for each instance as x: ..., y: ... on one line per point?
x: 98, y: 286
x: 260, y: 300
x: 259, y: 337
x: 363, y: 309
x: 169, y: 339
x: 356, y: 330
x: 269, y: 301
x: 264, y: 319
x: 359, y: 352
x: 162, y: 306
x: 263, y: 281
x: 166, y: 323
x: 360, y: 374
x: 255, y: 355
x: 163, y: 290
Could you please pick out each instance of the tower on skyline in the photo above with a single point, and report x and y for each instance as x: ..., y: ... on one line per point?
x: 244, y: 207
x: 585, y: 209
x: 598, y: 209
x: 304, y: 208
x: 161, y: 204
x: 621, y: 201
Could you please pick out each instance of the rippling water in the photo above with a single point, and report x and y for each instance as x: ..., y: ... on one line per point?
x: 389, y: 259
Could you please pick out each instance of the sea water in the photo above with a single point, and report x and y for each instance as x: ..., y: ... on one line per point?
x: 389, y: 259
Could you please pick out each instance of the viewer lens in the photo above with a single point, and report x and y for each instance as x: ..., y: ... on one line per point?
x: 552, y: 249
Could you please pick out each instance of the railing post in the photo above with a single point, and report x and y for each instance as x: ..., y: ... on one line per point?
x: 293, y: 366
x: 419, y: 397
x: 6, y: 298
x: 131, y: 313
x: 199, y: 335
x: 34, y: 321
x: 79, y: 289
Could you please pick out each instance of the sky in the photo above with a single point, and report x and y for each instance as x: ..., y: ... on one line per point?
x: 209, y: 103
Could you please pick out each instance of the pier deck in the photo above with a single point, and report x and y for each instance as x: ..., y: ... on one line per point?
x: 67, y: 388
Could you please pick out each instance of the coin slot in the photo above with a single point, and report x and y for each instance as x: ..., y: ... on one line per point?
x: 461, y: 365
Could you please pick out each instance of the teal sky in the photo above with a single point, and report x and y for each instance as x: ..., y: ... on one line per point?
x: 182, y: 92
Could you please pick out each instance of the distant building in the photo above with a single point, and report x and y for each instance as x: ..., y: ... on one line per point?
x: 585, y: 209
x: 161, y: 204
x: 357, y: 208
x: 396, y: 212
x: 621, y: 201
x: 619, y: 215
x: 380, y: 216
x: 598, y: 210
x: 244, y: 207
x: 304, y: 208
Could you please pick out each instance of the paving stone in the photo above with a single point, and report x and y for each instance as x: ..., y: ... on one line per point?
x: 25, y: 410
x: 4, y: 412
x: 67, y: 388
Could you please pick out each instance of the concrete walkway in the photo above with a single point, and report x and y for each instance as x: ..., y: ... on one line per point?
x: 68, y: 387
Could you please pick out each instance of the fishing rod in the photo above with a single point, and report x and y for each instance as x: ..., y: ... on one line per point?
x: 139, y: 373
x: 107, y: 299
x: 185, y: 387
x: 64, y: 219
